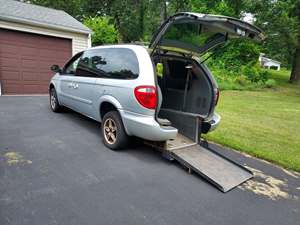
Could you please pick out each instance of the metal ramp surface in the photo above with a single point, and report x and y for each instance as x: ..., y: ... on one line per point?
x: 215, y: 168
x: 218, y: 170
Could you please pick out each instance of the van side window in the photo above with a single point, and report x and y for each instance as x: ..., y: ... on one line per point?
x: 71, y: 66
x: 116, y: 63
x: 84, y: 68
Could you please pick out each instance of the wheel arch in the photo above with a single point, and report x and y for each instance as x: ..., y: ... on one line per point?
x: 108, y: 103
x: 51, y: 85
x: 106, y: 107
x: 106, y: 100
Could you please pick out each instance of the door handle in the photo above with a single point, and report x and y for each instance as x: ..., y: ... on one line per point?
x: 75, y: 86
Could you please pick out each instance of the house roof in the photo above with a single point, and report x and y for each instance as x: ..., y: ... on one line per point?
x: 265, y: 59
x: 35, y: 15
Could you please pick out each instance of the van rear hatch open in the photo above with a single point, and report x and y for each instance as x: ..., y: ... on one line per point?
x: 187, y: 92
x: 197, y: 33
x: 187, y: 87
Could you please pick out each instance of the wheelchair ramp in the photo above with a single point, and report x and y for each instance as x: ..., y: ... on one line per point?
x: 215, y: 168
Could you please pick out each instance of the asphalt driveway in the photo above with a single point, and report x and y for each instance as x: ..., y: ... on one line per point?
x: 54, y: 169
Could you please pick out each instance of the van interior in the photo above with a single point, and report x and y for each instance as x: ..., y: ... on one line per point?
x: 185, y: 93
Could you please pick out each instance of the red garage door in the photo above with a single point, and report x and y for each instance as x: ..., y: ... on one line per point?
x: 25, y: 61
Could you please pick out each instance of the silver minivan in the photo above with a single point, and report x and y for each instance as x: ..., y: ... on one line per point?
x: 146, y: 92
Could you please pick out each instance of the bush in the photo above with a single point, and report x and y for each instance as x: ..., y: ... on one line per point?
x: 235, y: 54
x: 227, y: 85
x: 251, y: 73
x: 264, y: 74
x: 237, y: 65
x: 103, y: 31
x: 242, y: 80
x: 255, y: 73
x: 270, y: 83
x: 227, y: 80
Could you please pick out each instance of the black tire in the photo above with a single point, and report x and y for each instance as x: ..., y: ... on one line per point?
x: 54, y: 104
x: 204, y: 143
x: 120, y: 139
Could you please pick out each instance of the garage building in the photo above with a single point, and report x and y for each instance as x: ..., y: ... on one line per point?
x: 32, y: 38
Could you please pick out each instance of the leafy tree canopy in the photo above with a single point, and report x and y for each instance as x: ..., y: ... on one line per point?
x: 103, y: 31
x: 136, y: 20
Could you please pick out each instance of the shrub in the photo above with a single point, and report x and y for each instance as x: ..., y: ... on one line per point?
x: 235, y: 54
x: 264, y: 75
x: 251, y: 73
x: 227, y: 80
x: 242, y: 80
x: 238, y: 63
x: 255, y: 73
x: 270, y: 83
x: 227, y: 85
x: 103, y: 31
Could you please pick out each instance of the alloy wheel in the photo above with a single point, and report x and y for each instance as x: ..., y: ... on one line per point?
x: 110, y: 131
x: 53, y: 100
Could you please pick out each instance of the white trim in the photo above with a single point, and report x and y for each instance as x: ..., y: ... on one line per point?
x: 90, y: 41
x: 31, y: 29
x: 79, y: 41
x: 48, y: 26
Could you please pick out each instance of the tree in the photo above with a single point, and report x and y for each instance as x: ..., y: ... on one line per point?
x: 128, y: 16
x: 238, y: 52
x: 104, y: 31
x: 295, y: 74
x: 220, y: 7
x: 280, y: 20
x: 137, y: 20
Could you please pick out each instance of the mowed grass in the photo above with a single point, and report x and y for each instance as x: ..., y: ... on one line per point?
x: 263, y: 123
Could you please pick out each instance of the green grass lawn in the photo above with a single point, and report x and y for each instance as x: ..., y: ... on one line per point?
x: 263, y: 123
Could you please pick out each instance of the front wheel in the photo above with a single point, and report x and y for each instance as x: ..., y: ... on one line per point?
x: 54, y: 105
x: 113, y: 131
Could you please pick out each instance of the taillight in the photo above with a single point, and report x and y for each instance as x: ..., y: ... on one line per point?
x: 146, y: 96
x: 217, y: 96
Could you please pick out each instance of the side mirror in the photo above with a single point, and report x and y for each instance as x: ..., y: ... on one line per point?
x: 55, y: 68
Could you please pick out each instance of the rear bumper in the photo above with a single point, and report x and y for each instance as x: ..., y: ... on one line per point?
x: 211, y: 124
x: 146, y: 127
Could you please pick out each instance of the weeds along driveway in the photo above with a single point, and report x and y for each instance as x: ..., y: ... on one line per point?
x: 54, y: 169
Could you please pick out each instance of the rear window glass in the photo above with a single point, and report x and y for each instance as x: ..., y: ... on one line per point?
x: 192, y: 36
x: 116, y: 63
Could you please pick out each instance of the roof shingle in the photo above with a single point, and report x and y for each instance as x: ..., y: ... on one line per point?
x: 40, y: 16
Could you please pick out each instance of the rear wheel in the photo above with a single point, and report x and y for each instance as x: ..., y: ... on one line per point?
x: 113, y: 131
x: 54, y: 104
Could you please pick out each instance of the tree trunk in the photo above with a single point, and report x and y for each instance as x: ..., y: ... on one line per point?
x: 141, y: 19
x: 295, y: 74
x: 118, y: 26
x: 163, y: 12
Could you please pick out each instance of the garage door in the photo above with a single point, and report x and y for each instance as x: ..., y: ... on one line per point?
x: 25, y: 61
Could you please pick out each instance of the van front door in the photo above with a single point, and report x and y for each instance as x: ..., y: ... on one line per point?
x: 84, y: 85
x: 66, y: 85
